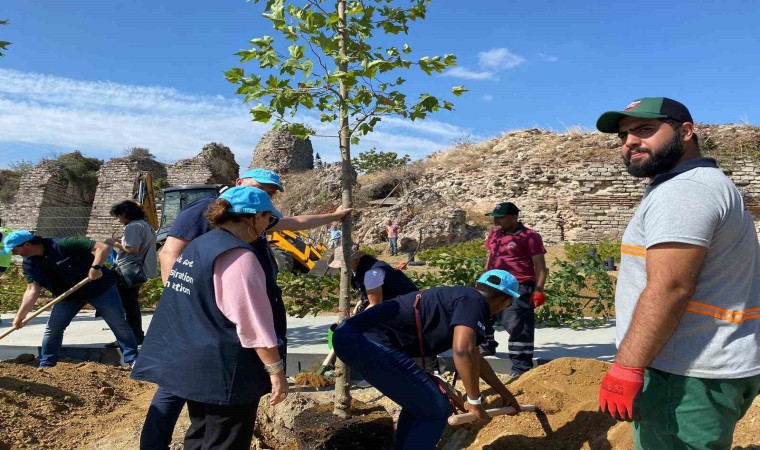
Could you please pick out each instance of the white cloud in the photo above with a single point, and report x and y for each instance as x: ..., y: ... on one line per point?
x: 490, y: 63
x: 39, y: 113
x: 499, y: 59
x: 487, y: 98
x: 467, y: 74
x: 548, y: 58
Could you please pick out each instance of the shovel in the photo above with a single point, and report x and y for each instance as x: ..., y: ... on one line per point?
x: 460, y: 419
x: 49, y: 305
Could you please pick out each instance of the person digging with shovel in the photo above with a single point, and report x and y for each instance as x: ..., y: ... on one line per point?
x: 57, y: 265
x: 381, y: 342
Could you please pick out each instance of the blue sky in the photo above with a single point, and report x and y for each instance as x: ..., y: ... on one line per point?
x: 103, y: 75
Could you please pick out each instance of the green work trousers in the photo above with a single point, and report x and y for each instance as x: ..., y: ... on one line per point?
x: 679, y: 412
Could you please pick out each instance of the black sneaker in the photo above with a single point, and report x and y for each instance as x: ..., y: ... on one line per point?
x: 487, y: 351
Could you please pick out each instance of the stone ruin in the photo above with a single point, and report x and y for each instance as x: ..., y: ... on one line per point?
x: 214, y: 165
x: 570, y: 187
x: 282, y: 152
x: 117, y: 181
x: 49, y: 201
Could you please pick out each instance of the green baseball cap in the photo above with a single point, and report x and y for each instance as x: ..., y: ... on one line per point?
x: 504, y: 209
x: 646, y: 108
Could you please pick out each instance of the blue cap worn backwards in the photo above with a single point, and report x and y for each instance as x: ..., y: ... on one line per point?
x: 14, y: 239
x: 501, y: 280
x: 247, y: 200
x: 264, y: 176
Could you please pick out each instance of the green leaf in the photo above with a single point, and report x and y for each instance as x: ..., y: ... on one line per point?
x: 459, y: 90
x: 261, y: 113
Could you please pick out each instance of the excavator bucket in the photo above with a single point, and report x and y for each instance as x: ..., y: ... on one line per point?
x: 321, y: 267
x: 145, y: 197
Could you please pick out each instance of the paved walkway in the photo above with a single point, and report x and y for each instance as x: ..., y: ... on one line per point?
x: 307, y: 339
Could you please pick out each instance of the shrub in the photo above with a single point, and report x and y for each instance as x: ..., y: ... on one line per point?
x: 308, y: 294
x: 577, y: 251
x: 469, y: 249
x: 150, y: 293
x: 573, y: 288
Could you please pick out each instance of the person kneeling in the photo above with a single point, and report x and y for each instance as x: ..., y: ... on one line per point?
x: 381, y: 342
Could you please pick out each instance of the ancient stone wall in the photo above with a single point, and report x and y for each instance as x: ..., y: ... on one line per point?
x: 282, y: 152
x: 214, y: 165
x: 49, y: 203
x: 117, y: 181
x: 569, y: 186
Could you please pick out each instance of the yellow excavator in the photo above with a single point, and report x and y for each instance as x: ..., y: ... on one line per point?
x: 294, y: 251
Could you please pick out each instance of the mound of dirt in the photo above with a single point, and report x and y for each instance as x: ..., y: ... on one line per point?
x: 59, y: 407
x: 89, y: 405
x: 567, y: 390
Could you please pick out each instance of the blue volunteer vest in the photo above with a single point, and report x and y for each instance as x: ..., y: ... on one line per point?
x: 395, y: 282
x: 191, y: 349
x: 69, y: 271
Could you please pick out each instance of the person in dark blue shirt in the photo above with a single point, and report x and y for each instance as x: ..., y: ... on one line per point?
x: 381, y: 342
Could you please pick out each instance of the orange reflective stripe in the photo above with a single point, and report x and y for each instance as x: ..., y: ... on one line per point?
x: 633, y: 250
x: 721, y: 313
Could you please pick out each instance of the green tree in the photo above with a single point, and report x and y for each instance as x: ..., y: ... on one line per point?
x: 373, y: 160
x: 138, y: 153
x: 333, y: 64
x: 4, y: 44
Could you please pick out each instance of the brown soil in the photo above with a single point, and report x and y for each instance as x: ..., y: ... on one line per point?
x: 566, y: 390
x: 369, y: 427
x: 88, y: 405
x: 308, y: 379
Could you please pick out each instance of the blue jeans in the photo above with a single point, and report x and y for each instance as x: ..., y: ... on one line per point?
x: 159, y: 423
x: 424, y: 409
x: 107, y: 305
x: 393, y: 242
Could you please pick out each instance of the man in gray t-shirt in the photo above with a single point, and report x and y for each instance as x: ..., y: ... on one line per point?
x: 688, y: 294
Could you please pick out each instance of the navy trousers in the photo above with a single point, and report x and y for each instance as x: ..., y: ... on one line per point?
x: 424, y: 409
x: 519, y: 320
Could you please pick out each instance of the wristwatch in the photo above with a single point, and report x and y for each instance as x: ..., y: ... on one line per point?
x: 96, y: 267
x: 478, y: 401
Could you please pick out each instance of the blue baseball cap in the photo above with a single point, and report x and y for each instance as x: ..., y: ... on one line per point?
x: 14, y: 239
x: 507, y: 282
x: 264, y: 176
x: 247, y: 200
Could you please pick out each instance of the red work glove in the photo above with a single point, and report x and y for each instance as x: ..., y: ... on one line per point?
x: 619, y: 387
x: 537, y: 299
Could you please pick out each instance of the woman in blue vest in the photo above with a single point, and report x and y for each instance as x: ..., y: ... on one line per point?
x: 381, y: 342
x: 213, y: 340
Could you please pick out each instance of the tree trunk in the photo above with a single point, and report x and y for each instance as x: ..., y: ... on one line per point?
x: 342, y: 392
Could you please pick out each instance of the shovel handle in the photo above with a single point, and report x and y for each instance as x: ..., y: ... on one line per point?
x: 460, y: 419
x: 49, y: 305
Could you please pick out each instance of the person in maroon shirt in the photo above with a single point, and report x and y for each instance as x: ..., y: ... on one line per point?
x: 520, y: 251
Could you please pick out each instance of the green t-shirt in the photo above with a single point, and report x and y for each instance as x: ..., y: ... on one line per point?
x: 5, y: 260
x: 76, y: 247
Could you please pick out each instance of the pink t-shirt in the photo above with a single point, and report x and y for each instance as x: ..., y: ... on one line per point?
x: 241, y: 295
x: 392, y: 230
x: 514, y: 252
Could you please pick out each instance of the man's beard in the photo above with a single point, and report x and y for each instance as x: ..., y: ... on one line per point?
x: 660, y: 161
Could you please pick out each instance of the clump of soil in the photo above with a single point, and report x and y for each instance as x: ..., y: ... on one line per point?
x: 40, y: 407
x: 309, y: 379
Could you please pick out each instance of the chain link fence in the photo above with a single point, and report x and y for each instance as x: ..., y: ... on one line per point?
x: 63, y: 221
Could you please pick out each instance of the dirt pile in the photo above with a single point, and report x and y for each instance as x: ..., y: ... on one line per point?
x: 88, y: 405
x: 566, y: 390
x: 61, y: 407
